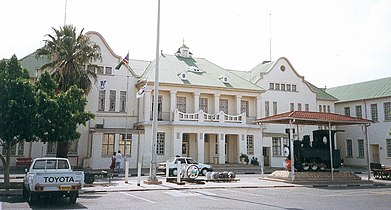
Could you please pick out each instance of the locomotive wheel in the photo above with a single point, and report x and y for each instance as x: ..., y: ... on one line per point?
x: 306, y: 166
x: 314, y: 166
x: 322, y: 167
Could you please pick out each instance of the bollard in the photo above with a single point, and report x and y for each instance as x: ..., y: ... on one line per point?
x: 126, y: 171
x: 178, y: 172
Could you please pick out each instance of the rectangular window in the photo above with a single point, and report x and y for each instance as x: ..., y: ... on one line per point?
x: 204, y: 104
x: 73, y: 147
x: 359, y: 111
x: 328, y: 108
x: 271, y: 86
x: 51, y: 148
x: 17, y: 149
x: 349, y: 148
x: 160, y: 143
x: 99, y: 70
x: 108, y: 140
x: 122, y: 98
x: 274, y: 107
x: 101, y: 100
x: 181, y: 103
x: 283, y: 87
x: 109, y: 70
x: 244, y: 107
x: 387, y: 111
x: 267, y: 108
x: 292, y: 107
x: 374, y: 113
x: 276, y: 146
x: 125, y: 143
x: 223, y: 106
x: 159, y: 108
x: 250, y: 144
x: 347, y: 111
x: 360, y: 147
x: 307, y: 107
x: 113, y: 94
x: 320, y: 108
x: 299, y: 106
x: 288, y: 87
x: 293, y: 87
x: 277, y: 86
x: 388, y: 141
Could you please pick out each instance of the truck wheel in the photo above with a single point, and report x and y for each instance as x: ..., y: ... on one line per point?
x: 32, y: 198
x: 24, y: 193
x: 73, y: 197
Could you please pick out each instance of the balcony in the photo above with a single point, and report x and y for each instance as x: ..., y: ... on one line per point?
x: 161, y: 116
x: 201, y: 116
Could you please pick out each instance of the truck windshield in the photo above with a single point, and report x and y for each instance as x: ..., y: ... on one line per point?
x: 51, y: 164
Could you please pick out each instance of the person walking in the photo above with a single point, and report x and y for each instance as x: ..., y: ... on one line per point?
x: 118, y: 161
x: 112, y: 165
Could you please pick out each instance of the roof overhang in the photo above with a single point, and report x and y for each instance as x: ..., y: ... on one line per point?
x: 313, y: 118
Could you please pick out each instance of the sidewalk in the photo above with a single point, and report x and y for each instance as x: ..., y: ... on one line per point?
x: 246, y: 177
x: 241, y: 181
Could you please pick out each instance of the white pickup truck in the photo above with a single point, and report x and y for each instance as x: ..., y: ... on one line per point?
x: 48, y: 177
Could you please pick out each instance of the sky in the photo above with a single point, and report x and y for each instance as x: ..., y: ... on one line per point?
x: 331, y: 43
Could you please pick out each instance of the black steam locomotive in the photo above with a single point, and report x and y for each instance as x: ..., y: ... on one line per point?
x: 316, y: 155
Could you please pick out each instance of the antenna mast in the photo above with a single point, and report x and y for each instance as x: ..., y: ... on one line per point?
x: 65, y: 15
x: 270, y: 33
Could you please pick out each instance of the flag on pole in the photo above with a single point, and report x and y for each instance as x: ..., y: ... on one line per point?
x: 140, y: 93
x: 123, y: 61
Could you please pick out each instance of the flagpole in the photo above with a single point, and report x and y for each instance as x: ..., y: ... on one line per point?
x: 152, y: 175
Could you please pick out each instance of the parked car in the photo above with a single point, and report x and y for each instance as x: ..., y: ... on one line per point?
x: 52, y: 177
x: 172, y: 165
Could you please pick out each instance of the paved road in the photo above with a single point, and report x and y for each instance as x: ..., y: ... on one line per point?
x: 230, y: 198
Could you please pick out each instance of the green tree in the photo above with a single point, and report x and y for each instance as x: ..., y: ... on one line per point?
x: 59, y: 115
x: 69, y: 54
x: 17, y: 109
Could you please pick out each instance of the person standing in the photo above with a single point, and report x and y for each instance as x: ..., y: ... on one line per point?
x: 112, y: 165
x: 118, y: 161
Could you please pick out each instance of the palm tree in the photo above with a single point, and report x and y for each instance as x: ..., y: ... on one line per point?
x: 68, y: 56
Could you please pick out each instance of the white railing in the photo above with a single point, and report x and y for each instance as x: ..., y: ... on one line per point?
x: 201, y: 116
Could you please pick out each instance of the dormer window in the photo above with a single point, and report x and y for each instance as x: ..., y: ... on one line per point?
x: 184, y: 52
x: 224, y: 79
x: 194, y: 69
x: 182, y: 76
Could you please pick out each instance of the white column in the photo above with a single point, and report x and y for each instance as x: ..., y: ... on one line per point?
x: 238, y: 104
x: 172, y: 103
x: 259, y: 107
x: 196, y: 101
x: 177, y: 143
x: 147, y: 105
x: 221, y: 139
x: 201, y: 145
x: 217, y: 103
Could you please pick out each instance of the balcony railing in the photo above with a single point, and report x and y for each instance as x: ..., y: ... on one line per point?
x: 201, y: 116
x: 161, y: 116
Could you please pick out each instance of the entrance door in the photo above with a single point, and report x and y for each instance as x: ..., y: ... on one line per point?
x: 185, y: 149
x: 375, y: 153
x: 266, y: 156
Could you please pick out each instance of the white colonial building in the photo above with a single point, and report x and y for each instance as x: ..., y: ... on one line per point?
x: 368, y: 100
x: 204, y: 111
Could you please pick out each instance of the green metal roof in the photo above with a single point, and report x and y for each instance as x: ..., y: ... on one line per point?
x: 365, y: 90
x: 320, y: 93
x: 32, y: 64
x: 208, y: 74
x: 260, y: 68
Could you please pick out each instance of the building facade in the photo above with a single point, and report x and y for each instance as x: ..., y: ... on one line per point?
x: 204, y: 111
